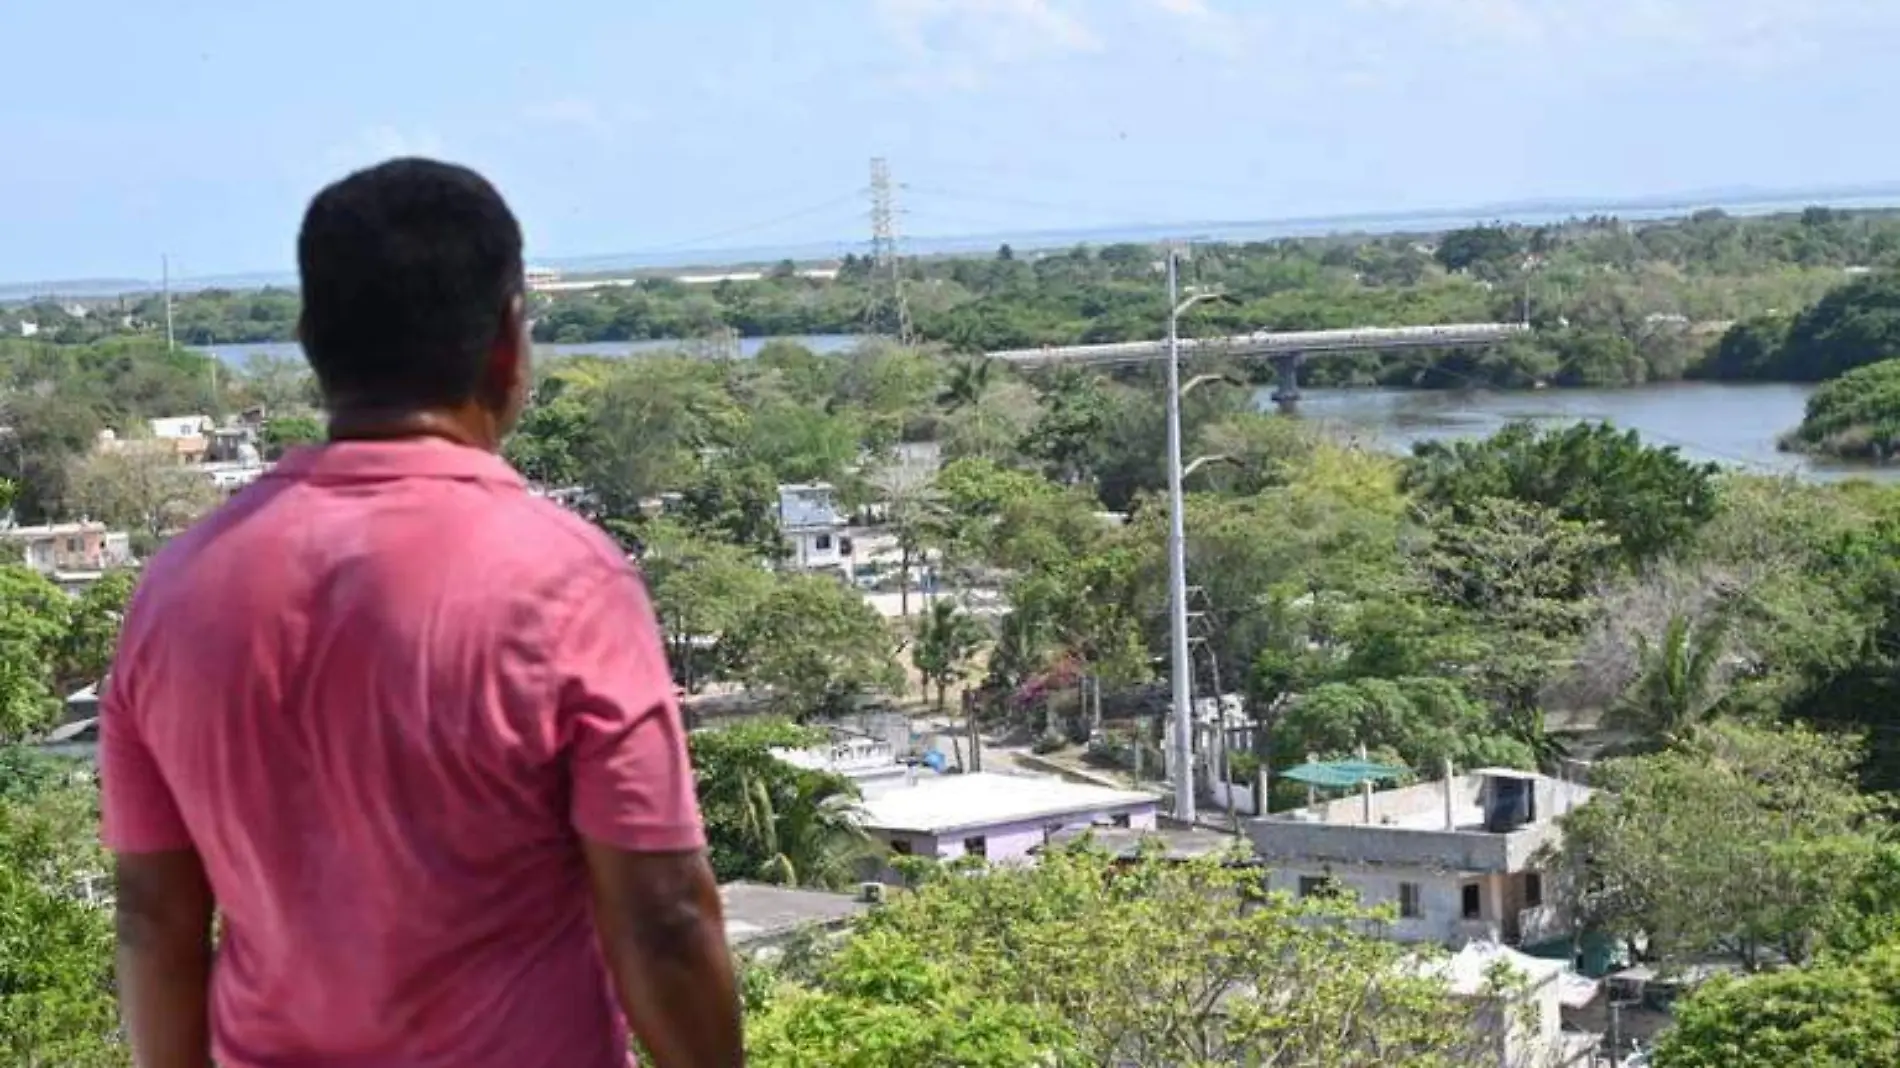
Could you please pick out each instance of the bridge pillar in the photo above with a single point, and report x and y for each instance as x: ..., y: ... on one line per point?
x: 1286, y: 373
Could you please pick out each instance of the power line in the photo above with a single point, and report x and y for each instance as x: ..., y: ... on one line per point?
x: 764, y: 224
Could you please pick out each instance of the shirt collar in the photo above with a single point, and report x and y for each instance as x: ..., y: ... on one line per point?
x: 369, y: 461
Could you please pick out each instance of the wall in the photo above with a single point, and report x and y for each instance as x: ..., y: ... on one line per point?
x: 1440, y: 896
x: 1278, y: 839
x: 1242, y: 797
x: 806, y: 553
x: 1015, y: 840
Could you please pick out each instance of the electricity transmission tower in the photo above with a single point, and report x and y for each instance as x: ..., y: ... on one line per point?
x: 888, y: 310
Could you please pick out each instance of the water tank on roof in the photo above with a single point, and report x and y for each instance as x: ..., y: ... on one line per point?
x: 1509, y: 803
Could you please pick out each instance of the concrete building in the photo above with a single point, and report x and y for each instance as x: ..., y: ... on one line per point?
x: 761, y: 919
x: 872, y: 764
x: 1458, y: 859
x: 814, y: 529
x: 67, y: 549
x: 997, y: 817
x: 1519, y: 1003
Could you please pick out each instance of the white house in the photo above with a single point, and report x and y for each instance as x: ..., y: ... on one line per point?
x: 181, y: 426
x: 814, y: 529
x: 997, y: 817
x: 1458, y: 859
x: 870, y: 763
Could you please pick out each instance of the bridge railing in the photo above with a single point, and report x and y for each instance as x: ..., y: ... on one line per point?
x: 1270, y: 343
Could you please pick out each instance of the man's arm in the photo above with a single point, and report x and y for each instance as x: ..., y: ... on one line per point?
x: 164, y: 909
x: 660, y: 925
x: 164, y: 901
x: 634, y: 808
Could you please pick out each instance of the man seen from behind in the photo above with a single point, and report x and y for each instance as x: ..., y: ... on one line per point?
x: 406, y: 728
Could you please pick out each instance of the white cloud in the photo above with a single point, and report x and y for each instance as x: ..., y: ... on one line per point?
x: 960, y: 43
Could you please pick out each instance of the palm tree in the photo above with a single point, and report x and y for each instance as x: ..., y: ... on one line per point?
x: 969, y: 380
x: 946, y: 640
x: 808, y: 834
x: 1679, y: 681
x: 921, y: 525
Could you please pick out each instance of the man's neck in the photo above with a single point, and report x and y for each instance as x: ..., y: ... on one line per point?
x: 367, y: 424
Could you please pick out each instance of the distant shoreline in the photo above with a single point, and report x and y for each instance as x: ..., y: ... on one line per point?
x: 1862, y: 197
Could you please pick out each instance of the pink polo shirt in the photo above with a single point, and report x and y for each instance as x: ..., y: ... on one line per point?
x: 383, y: 692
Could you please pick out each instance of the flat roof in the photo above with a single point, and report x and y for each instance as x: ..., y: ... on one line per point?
x: 954, y: 802
x: 757, y: 910
x: 1184, y: 843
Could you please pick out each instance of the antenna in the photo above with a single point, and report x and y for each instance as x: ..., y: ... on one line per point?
x: 887, y: 273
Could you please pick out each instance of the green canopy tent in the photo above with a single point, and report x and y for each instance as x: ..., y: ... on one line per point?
x: 1341, y: 774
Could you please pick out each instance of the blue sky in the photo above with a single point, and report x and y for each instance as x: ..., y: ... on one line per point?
x: 201, y: 127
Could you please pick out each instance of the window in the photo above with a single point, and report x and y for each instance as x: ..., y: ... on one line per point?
x: 1410, y: 907
x: 900, y: 846
x: 844, y: 546
x: 976, y: 847
x: 1474, y: 901
x: 1318, y: 886
x: 822, y: 543
x: 1122, y: 820
x: 1533, y: 890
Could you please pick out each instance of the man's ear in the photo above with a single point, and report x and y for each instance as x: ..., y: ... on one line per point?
x: 506, y: 381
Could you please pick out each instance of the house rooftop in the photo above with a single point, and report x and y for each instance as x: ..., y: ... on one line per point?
x: 757, y: 912
x: 806, y: 506
x: 49, y: 530
x: 1469, y: 972
x: 955, y: 802
x: 1174, y: 843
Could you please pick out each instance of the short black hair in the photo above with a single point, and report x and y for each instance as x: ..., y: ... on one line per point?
x: 407, y: 269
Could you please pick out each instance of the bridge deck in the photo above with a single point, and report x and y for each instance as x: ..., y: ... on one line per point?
x: 1268, y: 343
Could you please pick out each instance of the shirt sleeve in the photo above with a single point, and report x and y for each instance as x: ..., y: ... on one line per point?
x: 137, y: 811
x: 631, y: 778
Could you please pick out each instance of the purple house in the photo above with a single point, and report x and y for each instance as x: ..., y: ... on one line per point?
x: 998, y: 817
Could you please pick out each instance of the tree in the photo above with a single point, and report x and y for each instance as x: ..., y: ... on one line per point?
x: 34, y: 615
x: 1680, y: 680
x: 816, y: 646
x: 1083, y: 961
x: 92, y: 630
x: 946, y: 641
x: 1485, y: 248
x: 56, y: 988
x: 1837, y: 1013
x: 652, y: 421
x: 702, y: 589
x: 285, y: 432
x: 1724, y: 845
x: 1855, y: 324
x: 1651, y: 499
x: 549, y: 442
x: 141, y: 486
x: 279, y: 383
x: 1423, y: 721
x: 1855, y: 416
x: 769, y: 820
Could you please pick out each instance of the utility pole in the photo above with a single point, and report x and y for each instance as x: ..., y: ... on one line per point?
x: 165, y: 271
x: 887, y: 270
x: 1181, y: 668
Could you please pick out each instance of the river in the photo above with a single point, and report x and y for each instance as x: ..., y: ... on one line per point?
x: 235, y: 355
x: 1735, y: 425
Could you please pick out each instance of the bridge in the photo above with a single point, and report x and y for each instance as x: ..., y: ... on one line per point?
x: 1286, y: 350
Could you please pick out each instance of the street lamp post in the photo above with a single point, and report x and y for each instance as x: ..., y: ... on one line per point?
x: 1181, y: 668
